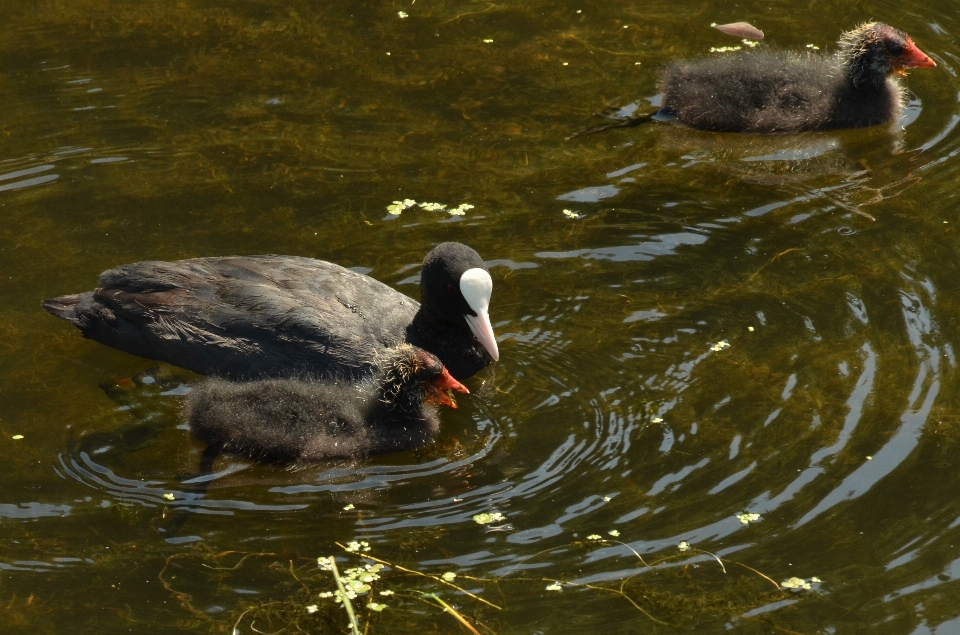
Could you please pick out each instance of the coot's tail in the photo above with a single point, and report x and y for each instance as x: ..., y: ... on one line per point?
x: 65, y: 307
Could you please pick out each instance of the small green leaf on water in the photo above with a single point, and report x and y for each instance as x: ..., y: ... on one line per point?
x: 486, y: 519
x: 312, y: 608
x: 387, y: 592
x: 169, y: 497
x: 607, y: 499
x: 869, y: 458
x: 796, y: 583
x: 460, y: 210
x: 555, y: 587
x: 594, y: 537
x: 17, y: 437
x: 325, y: 594
x: 656, y: 420
x: 748, y: 518
x: 402, y: 14
x: 449, y: 576
x: 816, y: 579
x: 373, y: 606
x: 398, y: 206
x: 354, y: 546
x: 614, y: 533
x: 488, y: 41
x: 347, y: 508
x: 683, y: 546
x: 719, y: 346
x: 571, y: 214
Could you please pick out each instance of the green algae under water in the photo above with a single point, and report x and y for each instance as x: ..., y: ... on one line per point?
x: 691, y: 325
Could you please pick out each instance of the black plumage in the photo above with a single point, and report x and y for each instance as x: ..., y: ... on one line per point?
x: 300, y: 420
x: 779, y: 92
x: 252, y: 317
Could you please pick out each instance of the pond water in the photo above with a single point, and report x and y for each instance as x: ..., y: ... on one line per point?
x: 692, y: 326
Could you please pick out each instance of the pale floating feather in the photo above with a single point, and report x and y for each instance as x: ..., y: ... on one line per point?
x: 743, y: 30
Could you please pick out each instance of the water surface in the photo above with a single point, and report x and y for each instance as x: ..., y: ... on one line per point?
x: 691, y: 325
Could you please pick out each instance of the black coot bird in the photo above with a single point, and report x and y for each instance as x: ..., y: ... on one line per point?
x: 780, y: 92
x: 254, y: 317
x: 299, y: 420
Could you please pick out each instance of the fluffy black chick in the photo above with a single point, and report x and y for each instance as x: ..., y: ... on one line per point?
x: 299, y: 420
x: 783, y: 92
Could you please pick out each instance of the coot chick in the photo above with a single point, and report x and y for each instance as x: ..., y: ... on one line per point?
x: 254, y: 317
x: 780, y: 92
x: 285, y: 420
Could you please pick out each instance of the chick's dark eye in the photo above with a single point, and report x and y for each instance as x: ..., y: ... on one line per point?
x: 451, y: 290
x: 896, y: 48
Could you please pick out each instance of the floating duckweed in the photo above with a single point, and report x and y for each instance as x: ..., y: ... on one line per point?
x: 614, y: 533
x: 313, y: 608
x: 719, y: 346
x: 402, y: 14
x: 748, y: 518
x: 554, y: 587
x: 488, y: 41
x: 571, y: 214
x: 656, y: 420
x: 796, y: 583
x: 373, y: 606
x: 813, y: 47
x: 347, y: 508
x: 398, y: 206
x: 325, y: 563
x: 325, y: 594
x: 750, y: 328
x: 449, y: 576
x: 683, y: 546
x: 486, y: 519
x: 816, y: 579
x: 17, y: 437
x: 724, y: 49
x: 594, y: 537
x: 749, y: 43
x: 607, y: 499
x: 353, y: 546
x: 387, y: 592
x: 169, y: 497
x: 460, y: 210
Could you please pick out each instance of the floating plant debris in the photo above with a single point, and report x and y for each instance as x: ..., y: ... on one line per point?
x: 486, y: 519
x: 397, y: 207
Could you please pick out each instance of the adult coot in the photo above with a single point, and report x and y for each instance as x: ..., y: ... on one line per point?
x: 302, y: 420
x: 253, y: 317
x: 769, y: 92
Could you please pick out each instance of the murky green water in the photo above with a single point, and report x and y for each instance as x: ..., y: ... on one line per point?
x: 828, y: 263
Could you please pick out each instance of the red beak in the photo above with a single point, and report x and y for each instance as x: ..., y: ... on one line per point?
x: 441, y: 387
x: 914, y: 58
